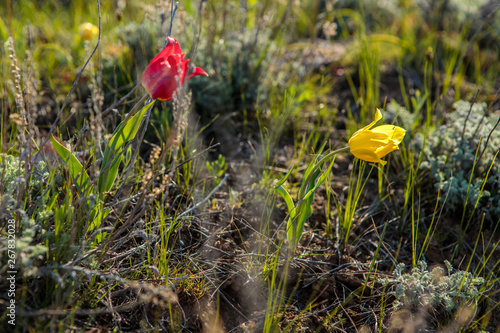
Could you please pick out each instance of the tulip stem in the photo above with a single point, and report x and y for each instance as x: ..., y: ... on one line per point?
x: 333, y: 153
x: 136, y: 107
x: 172, y: 15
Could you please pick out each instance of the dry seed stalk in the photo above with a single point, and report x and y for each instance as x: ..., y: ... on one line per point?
x: 21, y: 119
x: 180, y: 109
x: 97, y: 101
x: 31, y: 85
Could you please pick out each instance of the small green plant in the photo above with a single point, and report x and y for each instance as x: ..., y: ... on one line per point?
x: 461, y: 157
x: 113, y: 156
x: 217, y: 168
x: 12, y: 172
x: 422, y: 288
x: 300, y: 212
x: 368, y: 144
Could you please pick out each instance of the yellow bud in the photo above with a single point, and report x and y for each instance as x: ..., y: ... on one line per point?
x: 88, y: 31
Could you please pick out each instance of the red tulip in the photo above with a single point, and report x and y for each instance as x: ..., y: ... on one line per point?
x: 161, y: 77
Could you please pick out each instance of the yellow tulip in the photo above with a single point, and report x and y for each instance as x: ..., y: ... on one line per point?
x: 88, y: 31
x: 371, y: 144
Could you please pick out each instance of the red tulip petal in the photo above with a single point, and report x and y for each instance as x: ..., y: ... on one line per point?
x: 160, y: 78
x: 174, y: 60
x: 164, y: 90
x: 184, y: 69
x: 197, y: 71
x: 172, y: 46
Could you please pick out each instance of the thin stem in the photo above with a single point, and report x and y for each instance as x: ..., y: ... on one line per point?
x: 172, y: 16
x: 136, y: 108
x: 194, y: 47
x: 333, y: 153
x: 40, y: 149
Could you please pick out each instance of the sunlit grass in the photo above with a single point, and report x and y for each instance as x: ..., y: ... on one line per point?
x: 188, y: 234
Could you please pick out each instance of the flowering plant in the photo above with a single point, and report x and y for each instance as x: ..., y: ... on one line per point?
x: 166, y: 71
x: 371, y: 144
x: 368, y: 144
x: 88, y: 31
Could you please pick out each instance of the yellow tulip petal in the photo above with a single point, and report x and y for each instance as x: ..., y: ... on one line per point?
x: 367, y: 155
x: 378, y: 116
x: 368, y: 141
x: 372, y: 144
x: 368, y: 135
x: 384, y: 129
x: 399, y: 134
x: 390, y: 147
x: 395, y: 133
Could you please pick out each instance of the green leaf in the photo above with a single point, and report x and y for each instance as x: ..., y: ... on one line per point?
x: 112, y: 173
x: 282, y: 180
x: 76, y: 170
x: 127, y: 130
x: 97, y: 216
x: 288, y: 200
x: 311, y: 168
x: 304, y: 209
x: 124, y: 133
x: 98, y: 238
